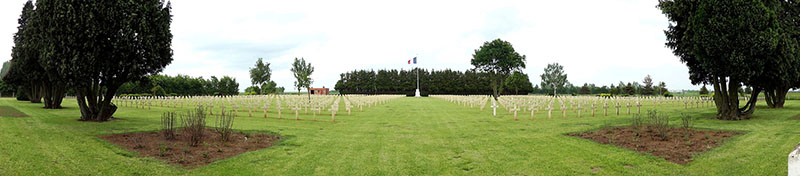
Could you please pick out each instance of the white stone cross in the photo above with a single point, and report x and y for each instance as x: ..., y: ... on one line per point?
x: 494, y: 108
x: 515, y: 109
x: 279, y: 108
x: 333, y: 113
x: 296, y: 112
x: 638, y: 108
x: 532, y: 109
x: 314, y: 110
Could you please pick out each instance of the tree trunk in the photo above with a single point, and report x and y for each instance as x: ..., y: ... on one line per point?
x: 34, y: 92
x: 780, y: 96
x: 726, y: 98
x: 776, y: 97
x: 53, y: 95
x: 94, y: 105
x: 768, y: 97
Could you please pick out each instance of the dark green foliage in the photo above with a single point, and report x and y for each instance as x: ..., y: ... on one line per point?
x: 224, y: 87
x: 24, y: 70
x: 782, y: 68
x: 585, y: 89
x: 270, y: 88
x: 252, y: 90
x: 704, y: 90
x: 181, y: 85
x: 497, y: 59
x: 518, y: 82
x: 96, y: 47
x: 446, y: 81
x: 4, y: 70
x: 260, y: 76
x: 648, y: 86
x: 158, y: 91
x: 728, y: 44
x: 629, y: 89
x: 21, y: 95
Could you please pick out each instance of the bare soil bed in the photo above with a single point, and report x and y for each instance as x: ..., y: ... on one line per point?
x: 179, y: 152
x: 6, y: 111
x: 681, y: 144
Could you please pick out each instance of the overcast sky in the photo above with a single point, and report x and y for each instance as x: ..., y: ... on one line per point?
x: 601, y: 42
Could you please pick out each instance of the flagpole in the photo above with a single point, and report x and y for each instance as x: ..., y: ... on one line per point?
x: 417, y: 94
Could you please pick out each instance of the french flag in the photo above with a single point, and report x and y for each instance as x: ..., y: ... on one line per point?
x: 415, y: 60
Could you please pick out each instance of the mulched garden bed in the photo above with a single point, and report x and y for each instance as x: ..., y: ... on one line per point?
x: 6, y: 111
x: 681, y: 144
x: 179, y: 152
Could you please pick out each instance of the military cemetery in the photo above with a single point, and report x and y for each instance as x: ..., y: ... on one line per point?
x: 400, y: 88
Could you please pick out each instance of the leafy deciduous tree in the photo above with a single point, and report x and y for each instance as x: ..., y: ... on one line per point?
x: 497, y: 59
x: 260, y: 75
x: 302, y: 74
x: 553, y: 78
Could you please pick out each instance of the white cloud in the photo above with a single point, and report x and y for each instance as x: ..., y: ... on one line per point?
x: 598, y: 42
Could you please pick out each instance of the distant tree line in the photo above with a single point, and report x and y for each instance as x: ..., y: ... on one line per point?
x: 445, y: 81
x: 181, y: 85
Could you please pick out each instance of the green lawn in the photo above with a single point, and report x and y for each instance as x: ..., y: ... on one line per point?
x: 407, y: 136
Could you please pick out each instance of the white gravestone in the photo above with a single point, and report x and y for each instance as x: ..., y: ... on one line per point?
x: 494, y: 108
x: 794, y: 161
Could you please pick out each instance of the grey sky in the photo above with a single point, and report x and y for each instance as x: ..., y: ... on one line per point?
x: 601, y: 42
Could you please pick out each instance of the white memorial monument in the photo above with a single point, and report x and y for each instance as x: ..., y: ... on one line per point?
x: 416, y: 93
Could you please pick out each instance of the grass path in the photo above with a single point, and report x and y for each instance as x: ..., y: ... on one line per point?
x: 407, y: 136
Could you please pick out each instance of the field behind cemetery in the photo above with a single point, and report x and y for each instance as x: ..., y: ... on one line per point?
x: 406, y: 136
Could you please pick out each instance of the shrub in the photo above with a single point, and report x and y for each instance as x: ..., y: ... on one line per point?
x: 224, y: 124
x: 194, y: 124
x: 686, y: 121
x: 168, y: 120
x: 637, y: 122
x: 659, y: 122
x: 162, y: 149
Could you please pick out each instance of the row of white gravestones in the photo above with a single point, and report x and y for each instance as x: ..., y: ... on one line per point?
x: 580, y: 105
x: 251, y: 104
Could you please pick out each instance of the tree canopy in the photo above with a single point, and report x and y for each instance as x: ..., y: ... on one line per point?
x: 728, y: 44
x: 498, y: 59
x: 260, y: 75
x: 517, y: 82
x: 302, y: 74
x: 96, y: 47
x: 553, y: 78
x: 25, y: 72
